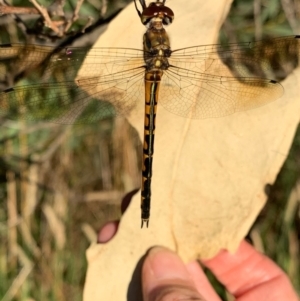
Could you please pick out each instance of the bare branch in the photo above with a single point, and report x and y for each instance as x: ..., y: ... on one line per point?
x: 48, y: 21
x: 104, y: 8
x: 88, y: 24
x: 75, y: 15
x: 257, y: 19
x: 4, y: 10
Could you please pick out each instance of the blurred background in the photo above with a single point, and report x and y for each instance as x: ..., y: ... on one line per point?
x: 59, y: 184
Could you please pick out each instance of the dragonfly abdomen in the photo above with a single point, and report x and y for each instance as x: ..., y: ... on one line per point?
x: 152, y: 82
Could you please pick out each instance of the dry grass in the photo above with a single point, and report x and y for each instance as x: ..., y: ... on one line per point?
x: 56, y: 203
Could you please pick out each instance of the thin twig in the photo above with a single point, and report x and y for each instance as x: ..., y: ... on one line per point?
x: 75, y: 15
x: 257, y: 19
x: 57, y: 8
x: 103, y: 8
x: 289, y: 11
x: 20, y: 23
x: 5, y: 10
x: 48, y: 21
x: 77, y: 9
x: 88, y: 24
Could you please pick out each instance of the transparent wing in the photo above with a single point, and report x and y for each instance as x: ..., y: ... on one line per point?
x: 199, y: 84
x: 270, y: 58
x: 111, y: 83
x: 37, y: 58
x: 199, y: 95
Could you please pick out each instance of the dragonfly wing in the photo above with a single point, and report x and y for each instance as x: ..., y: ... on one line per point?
x: 199, y: 95
x: 46, y: 64
x: 67, y: 103
x: 110, y: 85
x: 270, y: 58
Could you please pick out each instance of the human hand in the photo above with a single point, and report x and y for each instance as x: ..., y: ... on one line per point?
x: 247, y: 274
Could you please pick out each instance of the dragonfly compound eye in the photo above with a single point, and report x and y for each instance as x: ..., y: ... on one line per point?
x: 157, y: 10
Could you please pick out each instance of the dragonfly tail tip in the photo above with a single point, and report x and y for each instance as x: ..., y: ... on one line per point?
x: 146, y: 222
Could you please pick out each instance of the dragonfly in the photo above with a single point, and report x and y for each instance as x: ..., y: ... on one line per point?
x: 190, y: 82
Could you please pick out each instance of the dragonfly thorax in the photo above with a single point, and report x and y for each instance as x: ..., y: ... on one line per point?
x: 156, y: 49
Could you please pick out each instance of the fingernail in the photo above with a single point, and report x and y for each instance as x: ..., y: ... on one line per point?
x: 165, y: 264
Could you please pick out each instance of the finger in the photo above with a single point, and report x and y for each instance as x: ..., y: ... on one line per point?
x: 107, y: 232
x: 165, y: 278
x: 249, y: 275
x: 202, y: 284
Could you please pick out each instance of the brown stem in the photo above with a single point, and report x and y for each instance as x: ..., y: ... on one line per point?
x: 44, y: 13
x: 4, y: 10
x: 75, y: 15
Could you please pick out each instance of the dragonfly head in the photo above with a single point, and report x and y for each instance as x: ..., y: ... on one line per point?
x: 157, y: 10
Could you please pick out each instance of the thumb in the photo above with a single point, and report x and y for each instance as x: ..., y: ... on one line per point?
x: 165, y: 277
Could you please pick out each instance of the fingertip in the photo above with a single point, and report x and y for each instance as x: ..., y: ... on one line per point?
x: 107, y: 232
x: 165, y: 277
x: 162, y: 264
